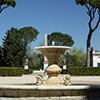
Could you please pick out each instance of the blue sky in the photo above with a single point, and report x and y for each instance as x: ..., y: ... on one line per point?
x: 49, y: 16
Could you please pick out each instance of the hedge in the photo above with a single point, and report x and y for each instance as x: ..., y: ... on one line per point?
x: 83, y: 71
x: 28, y: 71
x: 11, y: 71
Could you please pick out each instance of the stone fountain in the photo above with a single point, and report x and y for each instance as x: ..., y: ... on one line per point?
x: 53, y: 70
x: 55, y: 89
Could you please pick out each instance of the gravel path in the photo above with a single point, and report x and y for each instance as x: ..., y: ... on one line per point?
x: 30, y: 79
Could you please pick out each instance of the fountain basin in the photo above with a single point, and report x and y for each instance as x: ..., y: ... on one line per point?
x: 15, y: 91
x: 52, y: 52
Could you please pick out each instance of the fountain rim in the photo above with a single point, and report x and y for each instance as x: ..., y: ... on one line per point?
x: 50, y: 87
x: 16, y: 91
x: 52, y: 47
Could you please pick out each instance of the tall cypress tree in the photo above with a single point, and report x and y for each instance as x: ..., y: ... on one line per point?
x: 13, y: 51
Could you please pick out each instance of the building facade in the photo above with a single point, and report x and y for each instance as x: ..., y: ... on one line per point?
x: 96, y: 58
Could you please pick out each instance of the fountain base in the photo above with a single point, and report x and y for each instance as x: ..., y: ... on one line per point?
x: 89, y: 91
x: 53, y: 80
x: 53, y: 71
x: 52, y: 53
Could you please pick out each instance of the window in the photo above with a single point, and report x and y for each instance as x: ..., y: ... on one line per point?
x: 98, y: 64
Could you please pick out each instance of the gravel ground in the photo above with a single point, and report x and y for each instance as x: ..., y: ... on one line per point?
x: 30, y: 79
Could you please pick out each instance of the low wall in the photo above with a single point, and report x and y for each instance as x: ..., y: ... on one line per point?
x: 89, y: 91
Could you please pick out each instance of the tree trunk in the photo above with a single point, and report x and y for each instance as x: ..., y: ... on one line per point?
x: 88, y: 56
x: 91, y: 13
x: 88, y: 62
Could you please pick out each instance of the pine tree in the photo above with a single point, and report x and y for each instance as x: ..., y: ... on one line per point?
x: 13, y: 51
x: 15, y: 44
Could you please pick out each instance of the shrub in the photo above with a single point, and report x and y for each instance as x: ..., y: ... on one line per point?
x: 28, y: 71
x: 83, y: 71
x: 11, y: 71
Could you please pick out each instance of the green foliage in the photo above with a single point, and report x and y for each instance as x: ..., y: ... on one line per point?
x: 6, y: 3
x: 82, y: 2
x: 11, y: 71
x: 28, y: 34
x: 36, y: 61
x: 76, y: 57
x: 28, y: 71
x: 1, y: 55
x: 14, y: 49
x: 79, y: 56
x: 60, y: 39
x: 94, y: 3
x: 83, y: 71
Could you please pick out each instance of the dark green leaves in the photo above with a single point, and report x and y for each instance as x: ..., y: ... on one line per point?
x: 28, y: 34
x: 14, y: 46
x: 6, y: 3
x: 94, y: 3
x: 60, y: 39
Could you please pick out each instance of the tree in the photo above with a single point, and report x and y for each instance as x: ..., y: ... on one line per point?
x: 79, y: 55
x: 1, y: 56
x: 93, y: 9
x: 14, y: 49
x: 76, y: 57
x: 27, y: 34
x: 6, y: 3
x: 60, y: 39
x: 35, y: 59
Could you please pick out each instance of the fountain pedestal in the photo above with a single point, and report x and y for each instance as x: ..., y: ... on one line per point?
x: 52, y: 53
x: 53, y: 71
